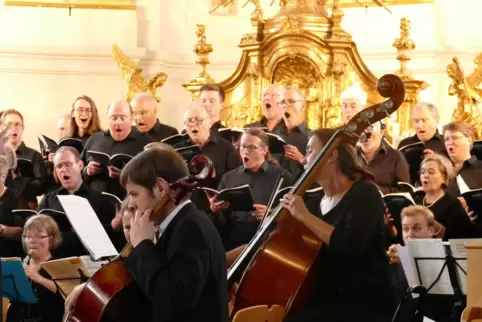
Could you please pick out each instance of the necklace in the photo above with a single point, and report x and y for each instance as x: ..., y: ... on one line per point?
x: 433, y: 203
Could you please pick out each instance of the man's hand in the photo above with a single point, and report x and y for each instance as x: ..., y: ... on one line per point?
x: 393, y: 253
x: 216, y: 205
x: 5, y: 134
x: 259, y: 211
x: 141, y: 228
x: 73, y: 297
x: 428, y: 153
x: 292, y: 152
x: 93, y: 168
x: 114, y: 172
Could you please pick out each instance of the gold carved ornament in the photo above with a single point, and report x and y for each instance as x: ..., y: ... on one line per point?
x: 403, y: 126
x: 132, y: 74
x: 469, y: 96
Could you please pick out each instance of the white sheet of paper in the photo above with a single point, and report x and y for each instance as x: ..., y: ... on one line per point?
x: 430, y: 269
x: 426, y: 319
x: 92, y: 267
x: 87, y: 226
x: 408, y: 268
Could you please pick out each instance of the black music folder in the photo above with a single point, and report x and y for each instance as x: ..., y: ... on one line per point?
x: 231, y: 134
x: 118, y: 160
x: 239, y: 198
x: 413, y: 154
x: 473, y: 197
x: 116, y: 199
x: 189, y: 152
x: 72, y: 142
x: 25, y: 168
x: 477, y: 150
x: 176, y: 139
x: 417, y: 193
x: 15, y: 283
x: 59, y: 216
x: 276, y: 143
x: 396, y: 202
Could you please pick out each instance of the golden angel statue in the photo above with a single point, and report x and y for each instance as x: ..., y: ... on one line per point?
x: 133, y: 76
x: 469, y: 105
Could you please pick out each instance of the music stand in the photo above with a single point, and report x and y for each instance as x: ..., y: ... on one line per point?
x: 451, y: 264
x: 82, y: 278
x: 15, y: 283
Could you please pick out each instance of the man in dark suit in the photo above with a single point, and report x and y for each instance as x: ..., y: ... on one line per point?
x: 184, y: 273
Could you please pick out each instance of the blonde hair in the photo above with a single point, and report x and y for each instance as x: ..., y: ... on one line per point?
x: 444, y: 165
x: 458, y: 126
x: 412, y: 211
x: 354, y: 92
x: 43, y: 222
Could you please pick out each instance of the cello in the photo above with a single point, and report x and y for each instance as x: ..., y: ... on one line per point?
x: 279, y: 262
x: 111, y: 294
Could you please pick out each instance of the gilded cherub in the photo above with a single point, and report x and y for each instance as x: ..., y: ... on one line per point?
x: 468, y: 106
x: 133, y: 76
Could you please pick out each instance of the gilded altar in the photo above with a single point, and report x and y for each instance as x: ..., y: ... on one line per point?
x: 302, y: 45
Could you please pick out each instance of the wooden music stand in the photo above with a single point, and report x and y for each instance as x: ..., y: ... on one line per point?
x: 473, y: 311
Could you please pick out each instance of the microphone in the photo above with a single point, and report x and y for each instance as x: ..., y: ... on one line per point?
x: 27, y: 259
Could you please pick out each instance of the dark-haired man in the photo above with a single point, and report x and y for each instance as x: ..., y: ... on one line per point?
x: 212, y: 96
x: 184, y: 273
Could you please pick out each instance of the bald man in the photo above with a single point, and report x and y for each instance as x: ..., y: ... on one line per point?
x: 144, y: 108
x: 121, y: 137
x: 272, y: 113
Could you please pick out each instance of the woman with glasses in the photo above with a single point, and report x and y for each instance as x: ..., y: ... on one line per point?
x: 40, y: 235
x: 451, y: 219
x: 261, y: 173
x: 85, y: 117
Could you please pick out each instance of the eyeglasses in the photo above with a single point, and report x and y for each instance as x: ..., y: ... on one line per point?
x: 137, y: 113
x: 454, y: 138
x: 250, y: 147
x: 195, y: 120
x: 67, y: 165
x: 86, y: 110
x: 35, y: 238
x: 289, y: 102
x: 15, y: 125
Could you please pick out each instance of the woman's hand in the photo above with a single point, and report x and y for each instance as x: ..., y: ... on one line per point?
x: 32, y: 273
x: 295, y: 205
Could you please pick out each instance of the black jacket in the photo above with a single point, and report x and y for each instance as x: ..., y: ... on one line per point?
x: 184, y: 274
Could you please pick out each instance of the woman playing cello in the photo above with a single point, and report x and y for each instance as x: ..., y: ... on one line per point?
x: 354, y: 283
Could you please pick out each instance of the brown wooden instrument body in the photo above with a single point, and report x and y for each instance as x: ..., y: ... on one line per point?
x: 111, y: 294
x: 281, y: 269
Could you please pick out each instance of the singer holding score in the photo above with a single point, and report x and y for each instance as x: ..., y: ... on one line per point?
x: 354, y: 282
x: 40, y: 235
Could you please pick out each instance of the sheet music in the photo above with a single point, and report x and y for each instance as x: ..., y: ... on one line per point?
x: 430, y: 269
x: 459, y: 251
x: 426, y: 319
x: 463, y: 187
x: 87, y: 226
x: 92, y: 267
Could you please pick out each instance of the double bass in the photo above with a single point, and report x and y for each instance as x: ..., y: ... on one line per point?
x: 278, y: 263
x: 111, y: 294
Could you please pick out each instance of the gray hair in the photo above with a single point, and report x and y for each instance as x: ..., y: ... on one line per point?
x: 143, y: 97
x: 431, y: 107
x: 354, y: 92
x: 10, y: 155
x: 197, y: 103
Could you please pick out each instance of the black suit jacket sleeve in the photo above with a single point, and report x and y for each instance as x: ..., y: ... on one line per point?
x: 38, y: 184
x: 175, y: 282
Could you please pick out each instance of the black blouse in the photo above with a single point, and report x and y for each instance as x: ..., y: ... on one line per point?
x: 9, y: 201
x: 353, y: 281
x: 49, y: 306
x: 449, y: 212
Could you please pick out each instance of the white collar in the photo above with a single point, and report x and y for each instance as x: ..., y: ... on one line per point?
x: 170, y: 217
